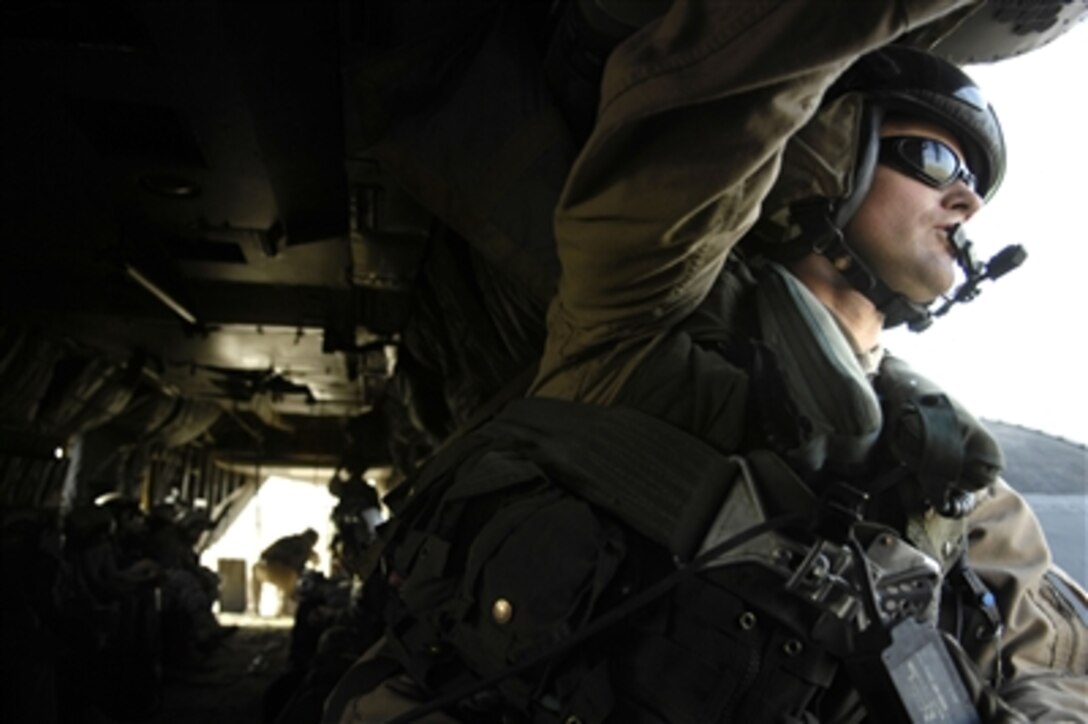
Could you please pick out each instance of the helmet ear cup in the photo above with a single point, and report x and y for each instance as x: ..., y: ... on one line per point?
x: 866, y: 151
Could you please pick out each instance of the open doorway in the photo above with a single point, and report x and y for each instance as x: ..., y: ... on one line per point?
x: 281, y: 507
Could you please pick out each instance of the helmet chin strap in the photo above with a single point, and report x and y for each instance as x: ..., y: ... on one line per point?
x: 821, y: 235
x: 826, y: 238
x: 895, y: 307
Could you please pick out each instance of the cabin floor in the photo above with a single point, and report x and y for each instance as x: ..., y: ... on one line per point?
x: 229, y: 685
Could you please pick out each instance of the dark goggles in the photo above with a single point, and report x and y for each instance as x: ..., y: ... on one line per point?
x: 932, y: 162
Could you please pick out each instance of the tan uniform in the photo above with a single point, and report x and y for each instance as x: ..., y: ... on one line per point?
x: 694, y: 114
x: 1045, y: 646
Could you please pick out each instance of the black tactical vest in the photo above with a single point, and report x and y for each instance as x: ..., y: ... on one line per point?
x: 570, y: 601
x: 544, y: 571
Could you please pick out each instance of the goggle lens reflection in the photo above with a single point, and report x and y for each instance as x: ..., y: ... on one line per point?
x: 930, y: 161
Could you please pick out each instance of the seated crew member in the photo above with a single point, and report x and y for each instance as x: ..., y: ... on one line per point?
x: 696, y: 114
x: 618, y: 333
x: 281, y: 564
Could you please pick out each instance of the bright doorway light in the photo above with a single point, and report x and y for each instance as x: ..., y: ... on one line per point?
x: 281, y: 507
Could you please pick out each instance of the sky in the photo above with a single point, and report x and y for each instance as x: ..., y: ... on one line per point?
x: 1017, y: 352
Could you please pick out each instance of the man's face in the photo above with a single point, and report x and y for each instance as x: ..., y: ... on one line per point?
x: 901, y: 228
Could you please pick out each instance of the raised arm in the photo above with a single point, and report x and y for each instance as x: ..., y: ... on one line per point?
x: 695, y: 111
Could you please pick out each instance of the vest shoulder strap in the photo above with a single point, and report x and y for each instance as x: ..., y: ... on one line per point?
x: 662, y: 481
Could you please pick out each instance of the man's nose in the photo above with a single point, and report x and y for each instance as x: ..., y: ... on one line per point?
x: 962, y: 198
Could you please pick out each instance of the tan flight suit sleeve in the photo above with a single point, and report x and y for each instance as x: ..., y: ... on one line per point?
x: 695, y: 110
x: 1045, y: 645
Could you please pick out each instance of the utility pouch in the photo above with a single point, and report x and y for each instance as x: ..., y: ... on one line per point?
x: 505, y: 565
x: 513, y: 555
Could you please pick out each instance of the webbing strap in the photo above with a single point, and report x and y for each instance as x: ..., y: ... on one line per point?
x: 662, y: 481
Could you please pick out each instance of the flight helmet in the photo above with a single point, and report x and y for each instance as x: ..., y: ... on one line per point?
x: 828, y: 165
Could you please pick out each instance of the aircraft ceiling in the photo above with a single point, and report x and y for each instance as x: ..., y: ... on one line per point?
x: 176, y: 187
x: 189, y: 193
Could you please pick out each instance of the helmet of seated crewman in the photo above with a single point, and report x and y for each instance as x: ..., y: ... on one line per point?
x: 828, y: 166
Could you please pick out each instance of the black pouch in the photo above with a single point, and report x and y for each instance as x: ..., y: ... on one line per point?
x: 504, y: 567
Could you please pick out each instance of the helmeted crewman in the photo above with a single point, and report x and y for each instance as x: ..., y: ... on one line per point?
x: 768, y: 185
